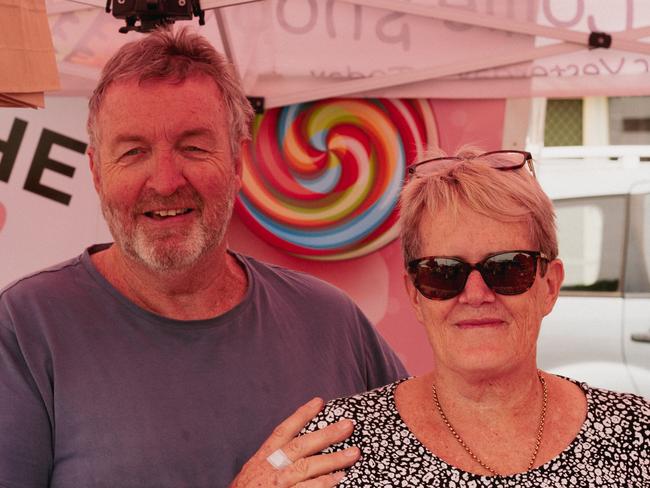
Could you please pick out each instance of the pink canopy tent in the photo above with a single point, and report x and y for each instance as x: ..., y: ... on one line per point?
x: 292, y: 51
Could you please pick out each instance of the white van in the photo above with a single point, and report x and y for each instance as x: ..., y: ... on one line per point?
x: 599, y: 331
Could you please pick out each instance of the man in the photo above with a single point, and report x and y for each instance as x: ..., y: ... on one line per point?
x: 164, y: 359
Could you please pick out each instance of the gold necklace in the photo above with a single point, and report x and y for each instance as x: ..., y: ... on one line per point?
x: 540, y: 428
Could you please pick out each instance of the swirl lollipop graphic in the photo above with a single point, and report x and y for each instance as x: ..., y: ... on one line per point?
x: 321, y: 180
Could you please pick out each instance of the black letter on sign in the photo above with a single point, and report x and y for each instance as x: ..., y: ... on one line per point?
x: 42, y: 161
x: 9, y: 148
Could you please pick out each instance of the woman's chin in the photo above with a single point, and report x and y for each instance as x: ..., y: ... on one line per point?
x: 481, y: 360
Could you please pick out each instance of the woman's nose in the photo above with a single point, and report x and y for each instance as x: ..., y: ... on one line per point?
x: 476, y: 291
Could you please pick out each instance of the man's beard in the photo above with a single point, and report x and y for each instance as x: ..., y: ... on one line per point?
x: 170, y: 250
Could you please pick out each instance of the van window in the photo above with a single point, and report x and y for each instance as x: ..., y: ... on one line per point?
x: 638, y: 256
x: 591, y: 235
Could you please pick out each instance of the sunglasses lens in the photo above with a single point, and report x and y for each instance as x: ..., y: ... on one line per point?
x: 510, y: 273
x: 439, y: 278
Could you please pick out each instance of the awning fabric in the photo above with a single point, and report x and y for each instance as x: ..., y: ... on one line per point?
x: 27, y: 62
x: 292, y: 51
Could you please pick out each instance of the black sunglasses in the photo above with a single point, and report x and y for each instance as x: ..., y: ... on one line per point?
x: 505, y: 273
x: 502, y: 160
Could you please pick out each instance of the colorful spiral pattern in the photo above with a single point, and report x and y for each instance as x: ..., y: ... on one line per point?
x: 321, y: 180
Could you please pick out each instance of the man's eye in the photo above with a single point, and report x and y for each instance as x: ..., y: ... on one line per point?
x: 193, y: 149
x: 133, y: 152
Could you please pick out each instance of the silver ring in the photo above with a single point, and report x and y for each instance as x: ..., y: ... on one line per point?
x: 279, y: 460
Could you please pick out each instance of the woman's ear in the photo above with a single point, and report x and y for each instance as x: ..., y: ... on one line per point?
x: 553, y: 282
x: 414, y: 297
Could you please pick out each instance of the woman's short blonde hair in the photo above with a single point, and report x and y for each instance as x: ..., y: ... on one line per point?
x: 504, y: 195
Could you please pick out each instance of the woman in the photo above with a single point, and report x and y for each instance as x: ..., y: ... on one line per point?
x: 480, y: 249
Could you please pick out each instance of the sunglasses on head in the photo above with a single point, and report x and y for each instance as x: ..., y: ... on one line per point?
x: 505, y: 273
x: 503, y: 160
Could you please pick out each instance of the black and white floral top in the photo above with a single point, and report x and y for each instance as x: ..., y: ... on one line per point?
x: 612, y: 448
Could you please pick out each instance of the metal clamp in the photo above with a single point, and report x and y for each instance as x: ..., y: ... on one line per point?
x: 600, y: 39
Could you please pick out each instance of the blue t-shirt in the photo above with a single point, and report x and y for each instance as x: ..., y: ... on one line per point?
x: 97, y: 392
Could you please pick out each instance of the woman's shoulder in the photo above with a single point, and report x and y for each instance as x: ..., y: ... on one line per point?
x: 608, y: 404
x: 616, y: 421
x: 625, y: 409
x: 604, y: 401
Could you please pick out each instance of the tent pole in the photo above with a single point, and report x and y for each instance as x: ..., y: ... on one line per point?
x: 225, y: 39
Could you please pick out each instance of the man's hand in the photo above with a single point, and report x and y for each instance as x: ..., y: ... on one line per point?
x: 307, y: 468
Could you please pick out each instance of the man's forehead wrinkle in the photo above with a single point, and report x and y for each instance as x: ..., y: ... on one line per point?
x: 198, y: 131
x: 122, y: 102
x: 168, y: 133
x: 125, y: 138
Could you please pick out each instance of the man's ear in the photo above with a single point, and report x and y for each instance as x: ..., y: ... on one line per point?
x: 93, y: 162
x: 414, y: 297
x: 238, y: 162
x: 553, y: 282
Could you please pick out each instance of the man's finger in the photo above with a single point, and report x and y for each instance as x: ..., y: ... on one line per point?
x: 325, y: 481
x: 313, y: 468
x: 314, y: 442
x: 290, y: 427
x: 296, y: 462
